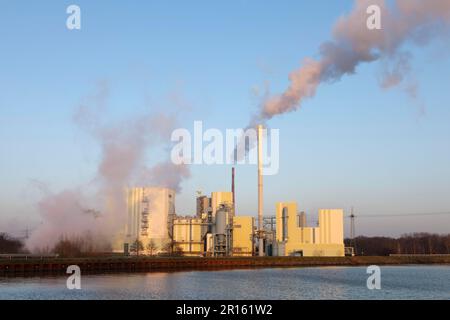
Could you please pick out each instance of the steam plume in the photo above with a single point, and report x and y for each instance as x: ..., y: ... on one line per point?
x: 403, y: 21
x: 124, y: 147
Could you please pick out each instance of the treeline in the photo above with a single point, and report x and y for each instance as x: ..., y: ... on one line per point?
x: 68, y: 247
x: 414, y: 243
x: 10, y: 245
x: 75, y: 247
x: 168, y: 249
x: 78, y: 246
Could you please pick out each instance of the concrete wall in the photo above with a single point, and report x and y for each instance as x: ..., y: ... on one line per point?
x: 19, y: 267
x: 314, y: 250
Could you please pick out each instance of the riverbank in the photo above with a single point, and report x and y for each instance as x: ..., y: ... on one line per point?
x: 146, y: 264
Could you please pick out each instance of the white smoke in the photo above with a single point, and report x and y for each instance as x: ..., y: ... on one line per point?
x: 403, y: 21
x: 124, y: 147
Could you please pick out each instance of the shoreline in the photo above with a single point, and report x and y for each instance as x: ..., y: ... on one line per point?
x: 105, y: 265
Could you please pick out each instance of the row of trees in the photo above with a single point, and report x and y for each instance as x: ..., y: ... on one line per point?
x: 151, y: 248
x: 414, y: 243
x: 81, y: 246
x: 10, y: 245
x: 78, y: 246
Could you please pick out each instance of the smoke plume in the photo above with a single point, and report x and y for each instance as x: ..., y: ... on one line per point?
x: 403, y: 22
x: 99, y: 207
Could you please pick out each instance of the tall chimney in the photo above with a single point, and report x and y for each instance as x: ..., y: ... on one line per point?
x: 260, y: 192
x: 232, y: 190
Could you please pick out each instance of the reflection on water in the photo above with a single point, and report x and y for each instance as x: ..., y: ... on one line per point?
x: 412, y: 282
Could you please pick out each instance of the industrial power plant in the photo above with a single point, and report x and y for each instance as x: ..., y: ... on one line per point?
x: 216, y: 230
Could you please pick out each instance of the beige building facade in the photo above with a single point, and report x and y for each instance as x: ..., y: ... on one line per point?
x: 188, y: 235
x: 294, y: 238
x: 220, y: 198
x: 150, y: 211
x: 243, y: 230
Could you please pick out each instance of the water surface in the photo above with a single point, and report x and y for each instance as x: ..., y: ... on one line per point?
x: 397, y: 282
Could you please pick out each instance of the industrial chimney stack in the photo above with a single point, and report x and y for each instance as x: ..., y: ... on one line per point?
x: 260, y: 192
x: 232, y: 190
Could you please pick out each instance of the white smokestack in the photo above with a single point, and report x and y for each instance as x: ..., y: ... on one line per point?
x: 260, y: 191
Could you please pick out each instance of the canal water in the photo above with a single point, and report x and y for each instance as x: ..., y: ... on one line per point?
x: 397, y: 282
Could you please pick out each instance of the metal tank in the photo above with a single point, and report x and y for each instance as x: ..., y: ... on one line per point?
x: 221, y: 220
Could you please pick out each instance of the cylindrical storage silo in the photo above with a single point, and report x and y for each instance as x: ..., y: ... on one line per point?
x: 221, y: 221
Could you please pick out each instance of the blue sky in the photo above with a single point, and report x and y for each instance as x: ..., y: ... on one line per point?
x: 354, y: 144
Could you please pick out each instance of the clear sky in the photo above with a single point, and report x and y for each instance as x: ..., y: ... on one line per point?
x: 354, y: 144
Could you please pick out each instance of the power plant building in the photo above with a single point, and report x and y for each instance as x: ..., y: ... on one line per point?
x: 188, y: 235
x: 150, y: 211
x: 203, y: 205
x: 294, y: 238
x: 243, y: 235
x: 218, y: 199
x: 216, y: 230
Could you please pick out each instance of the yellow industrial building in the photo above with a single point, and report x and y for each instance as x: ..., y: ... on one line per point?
x: 216, y: 230
x: 218, y: 199
x: 188, y: 235
x: 243, y: 232
x: 293, y: 237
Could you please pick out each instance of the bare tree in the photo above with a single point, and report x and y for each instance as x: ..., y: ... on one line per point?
x: 9, y: 244
x: 168, y: 247
x: 152, y: 247
x: 137, y: 246
x: 68, y: 248
x: 177, y: 251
